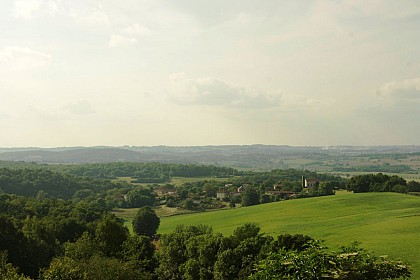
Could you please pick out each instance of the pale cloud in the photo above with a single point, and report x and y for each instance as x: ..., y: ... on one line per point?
x: 4, y: 115
x: 57, y: 111
x: 377, y: 8
x: 27, y: 9
x: 97, y: 17
x: 23, y: 58
x: 128, y: 36
x: 81, y: 107
x: 208, y: 91
x: 307, y: 105
x: 90, y: 13
x: 136, y: 30
x: 405, y: 89
x: 263, y: 71
x: 119, y: 40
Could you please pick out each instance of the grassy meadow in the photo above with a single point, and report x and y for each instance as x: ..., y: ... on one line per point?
x: 387, y: 223
x: 179, y: 181
x: 176, y: 181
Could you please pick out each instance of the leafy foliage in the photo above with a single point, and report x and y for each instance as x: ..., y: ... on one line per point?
x: 146, y: 222
x: 52, y: 238
x: 33, y: 231
x: 7, y: 271
x: 377, y: 183
x: 140, y: 197
x: 173, y: 253
x: 138, y: 251
x: 296, y: 242
x: 29, y: 182
x: 149, y: 172
x: 315, y: 262
x: 250, y: 197
x: 95, y: 268
x: 111, y: 234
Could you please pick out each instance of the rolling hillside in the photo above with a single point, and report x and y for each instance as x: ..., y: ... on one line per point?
x: 387, y: 223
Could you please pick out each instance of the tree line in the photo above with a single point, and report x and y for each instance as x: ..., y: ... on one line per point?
x: 29, y: 182
x: 381, y: 183
x: 149, y: 172
x: 33, y: 231
x: 400, y: 168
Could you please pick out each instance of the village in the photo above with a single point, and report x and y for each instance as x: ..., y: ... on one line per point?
x: 210, y: 194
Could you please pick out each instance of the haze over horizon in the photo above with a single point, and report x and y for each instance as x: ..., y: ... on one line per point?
x: 191, y: 73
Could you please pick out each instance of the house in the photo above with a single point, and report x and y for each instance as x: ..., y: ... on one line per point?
x: 310, y: 183
x: 277, y: 187
x: 222, y: 194
x: 165, y: 190
x: 242, y: 188
x: 225, y: 193
x: 278, y: 190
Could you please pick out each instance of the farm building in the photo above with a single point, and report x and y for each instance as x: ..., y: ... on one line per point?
x: 310, y: 183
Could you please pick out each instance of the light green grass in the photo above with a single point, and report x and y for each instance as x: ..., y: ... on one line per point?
x: 387, y: 223
x: 128, y: 214
x: 178, y: 181
x: 406, y: 176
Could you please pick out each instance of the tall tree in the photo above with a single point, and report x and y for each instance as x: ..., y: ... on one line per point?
x: 140, y: 197
x: 146, y: 222
x: 138, y: 252
x: 250, y: 197
x: 111, y: 234
x: 8, y: 271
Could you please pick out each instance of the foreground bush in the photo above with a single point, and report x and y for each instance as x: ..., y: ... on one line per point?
x: 350, y: 262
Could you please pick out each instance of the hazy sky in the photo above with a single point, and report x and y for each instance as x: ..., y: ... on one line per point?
x: 189, y: 72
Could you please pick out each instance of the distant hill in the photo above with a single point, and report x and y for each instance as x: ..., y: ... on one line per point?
x: 77, y: 155
x: 237, y: 156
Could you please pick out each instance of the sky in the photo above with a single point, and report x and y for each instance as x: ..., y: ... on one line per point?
x: 210, y: 72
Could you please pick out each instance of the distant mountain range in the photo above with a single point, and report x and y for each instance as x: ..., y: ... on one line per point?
x: 243, y: 156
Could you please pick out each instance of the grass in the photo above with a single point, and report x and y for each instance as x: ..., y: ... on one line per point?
x: 162, y: 211
x: 406, y: 176
x: 325, y: 163
x: 387, y: 223
x: 176, y: 181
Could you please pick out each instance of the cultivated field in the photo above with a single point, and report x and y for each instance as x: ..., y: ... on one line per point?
x: 387, y: 223
x: 176, y: 181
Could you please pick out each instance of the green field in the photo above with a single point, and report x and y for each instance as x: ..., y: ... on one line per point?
x: 176, y: 181
x: 162, y: 211
x: 387, y: 223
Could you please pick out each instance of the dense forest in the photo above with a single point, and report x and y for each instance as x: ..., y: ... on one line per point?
x: 149, y: 172
x: 32, y: 182
x: 381, y: 183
